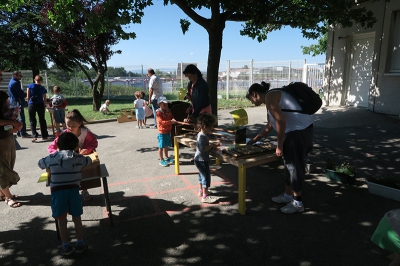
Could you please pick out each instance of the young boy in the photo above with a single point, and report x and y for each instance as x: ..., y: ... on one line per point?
x: 66, y: 175
x: 104, y: 107
x: 58, y: 102
x: 165, y: 120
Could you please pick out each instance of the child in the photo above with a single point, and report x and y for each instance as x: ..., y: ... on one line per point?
x: 147, y: 111
x: 139, y: 111
x: 206, y: 124
x: 165, y: 120
x: 87, y: 141
x: 58, y: 102
x: 104, y: 107
x: 66, y: 175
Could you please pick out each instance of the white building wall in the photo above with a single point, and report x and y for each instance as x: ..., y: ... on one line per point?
x: 385, y: 88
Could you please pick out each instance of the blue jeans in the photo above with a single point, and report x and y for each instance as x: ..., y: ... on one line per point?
x: 154, y: 105
x: 22, y: 132
x: 204, y: 173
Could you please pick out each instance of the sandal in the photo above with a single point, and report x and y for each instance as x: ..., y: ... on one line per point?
x: 12, y: 203
x: 3, y: 197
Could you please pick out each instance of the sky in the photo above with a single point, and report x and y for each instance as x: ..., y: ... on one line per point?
x: 160, y: 43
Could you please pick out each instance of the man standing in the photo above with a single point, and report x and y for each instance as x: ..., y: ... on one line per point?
x: 17, y: 97
x: 155, y: 92
x: 295, y: 139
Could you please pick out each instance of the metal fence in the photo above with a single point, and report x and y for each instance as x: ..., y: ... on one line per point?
x: 235, y: 77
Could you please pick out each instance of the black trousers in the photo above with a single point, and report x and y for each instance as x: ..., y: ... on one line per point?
x: 38, y: 109
x: 296, y: 146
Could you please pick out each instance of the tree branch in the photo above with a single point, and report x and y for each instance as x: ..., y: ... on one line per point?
x: 202, y: 21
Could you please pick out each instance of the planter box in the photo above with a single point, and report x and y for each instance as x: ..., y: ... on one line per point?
x: 340, y: 177
x: 384, y: 191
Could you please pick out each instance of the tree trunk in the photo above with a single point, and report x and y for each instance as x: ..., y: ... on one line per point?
x: 98, y: 91
x: 214, y: 55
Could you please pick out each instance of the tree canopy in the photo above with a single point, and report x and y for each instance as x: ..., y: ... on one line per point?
x: 263, y: 17
x: 83, y: 32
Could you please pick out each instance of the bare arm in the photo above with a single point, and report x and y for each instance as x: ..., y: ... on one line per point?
x: 150, y: 94
x: 272, y: 102
x: 261, y: 134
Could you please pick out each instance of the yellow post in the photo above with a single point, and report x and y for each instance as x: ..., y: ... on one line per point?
x: 176, y: 153
x: 217, y: 161
x: 242, y: 189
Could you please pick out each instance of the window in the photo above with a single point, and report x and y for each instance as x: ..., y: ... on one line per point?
x: 394, y: 43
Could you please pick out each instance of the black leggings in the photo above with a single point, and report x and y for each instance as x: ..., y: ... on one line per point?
x: 296, y: 146
x: 38, y: 108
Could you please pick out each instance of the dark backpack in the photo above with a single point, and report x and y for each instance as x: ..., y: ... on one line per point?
x: 309, y: 101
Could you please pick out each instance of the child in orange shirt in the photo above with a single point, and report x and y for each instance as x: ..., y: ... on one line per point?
x: 165, y: 119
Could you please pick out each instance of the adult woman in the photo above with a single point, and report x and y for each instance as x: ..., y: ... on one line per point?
x: 295, y: 139
x: 8, y: 176
x: 198, y: 93
x: 36, y: 95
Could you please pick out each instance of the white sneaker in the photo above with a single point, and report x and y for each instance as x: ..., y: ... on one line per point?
x: 200, y: 193
x: 137, y: 126
x: 281, y: 199
x: 292, y: 208
x: 209, y: 199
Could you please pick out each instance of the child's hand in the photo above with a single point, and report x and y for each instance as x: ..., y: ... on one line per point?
x: 83, y: 151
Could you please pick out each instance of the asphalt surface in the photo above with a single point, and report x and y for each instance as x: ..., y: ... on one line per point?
x: 160, y: 220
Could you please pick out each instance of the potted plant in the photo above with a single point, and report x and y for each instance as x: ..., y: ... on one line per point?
x: 344, y: 173
x: 388, y: 186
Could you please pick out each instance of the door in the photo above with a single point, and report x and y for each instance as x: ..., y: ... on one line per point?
x: 360, y: 69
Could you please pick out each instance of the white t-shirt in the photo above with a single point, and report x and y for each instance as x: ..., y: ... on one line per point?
x: 155, y: 83
x: 103, y: 108
x: 138, y: 103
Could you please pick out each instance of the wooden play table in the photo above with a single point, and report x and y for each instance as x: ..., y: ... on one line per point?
x: 241, y: 163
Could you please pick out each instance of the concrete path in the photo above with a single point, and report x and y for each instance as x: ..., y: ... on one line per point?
x: 160, y: 220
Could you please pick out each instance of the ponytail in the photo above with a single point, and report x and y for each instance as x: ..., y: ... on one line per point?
x: 258, y: 88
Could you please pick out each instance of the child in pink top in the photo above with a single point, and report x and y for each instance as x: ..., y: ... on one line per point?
x: 87, y: 140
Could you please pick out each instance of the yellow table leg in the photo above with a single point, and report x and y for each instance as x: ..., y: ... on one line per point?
x: 242, y: 189
x: 176, y: 152
x: 217, y: 161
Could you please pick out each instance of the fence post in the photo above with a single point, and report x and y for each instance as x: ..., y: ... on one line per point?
x: 181, y: 75
x: 290, y: 70
x: 251, y: 72
x: 108, y: 87
x: 304, y: 78
x: 47, y: 84
x: 228, y: 70
x: 144, y: 87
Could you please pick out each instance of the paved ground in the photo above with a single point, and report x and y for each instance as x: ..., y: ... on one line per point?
x: 159, y: 220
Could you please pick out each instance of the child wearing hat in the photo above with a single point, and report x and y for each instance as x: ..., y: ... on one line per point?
x: 165, y: 119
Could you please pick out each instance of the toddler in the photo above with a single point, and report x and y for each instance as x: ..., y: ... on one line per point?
x: 205, y: 123
x: 104, y: 107
x: 58, y: 102
x: 66, y: 175
x: 165, y: 119
x: 87, y: 141
x: 139, y: 111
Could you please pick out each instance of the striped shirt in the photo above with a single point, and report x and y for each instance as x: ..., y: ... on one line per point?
x: 66, y: 168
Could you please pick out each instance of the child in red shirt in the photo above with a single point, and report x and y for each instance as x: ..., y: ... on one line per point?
x: 165, y: 119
